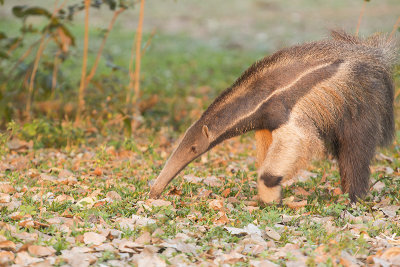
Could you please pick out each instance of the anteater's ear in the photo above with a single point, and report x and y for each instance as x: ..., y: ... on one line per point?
x: 205, y: 131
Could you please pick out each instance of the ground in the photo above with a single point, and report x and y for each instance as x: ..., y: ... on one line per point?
x: 89, y: 205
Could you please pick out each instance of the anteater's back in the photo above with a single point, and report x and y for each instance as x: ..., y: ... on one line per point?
x: 359, y: 94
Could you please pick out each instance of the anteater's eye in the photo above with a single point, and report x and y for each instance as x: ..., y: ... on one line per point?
x: 193, y: 149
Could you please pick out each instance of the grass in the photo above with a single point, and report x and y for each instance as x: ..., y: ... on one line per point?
x: 188, y: 213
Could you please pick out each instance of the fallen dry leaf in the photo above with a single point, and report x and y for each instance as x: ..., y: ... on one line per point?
x: 65, y: 174
x: 24, y: 259
x: 231, y: 258
x: 297, y: 204
x: 299, y: 191
x: 67, y: 213
x: 160, y: 203
x: 337, y: 191
x: 271, y: 233
x: 144, y: 239
x: 6, y: 257
x: 7, y: 188
x: 98, y: 171
x: 384, y: 169
x: 26, y: 223
x: 7, y: 245
x: 204, y: 193
x: 249, y: 230
x: 392, y: 255
x: 93, y: 238
x: 105, y: 247
x: 40, y: 251
x: 46, y: 177
x: 192, y: 179
x: 179, y: 245
x: 381, y: 156
x: 142, y: 221
x: 99, y: 204
x: 251, y: 203
x: 378, y: 186
x: 212, y: 181
x: 348, y: 260
x: 263, y: 263
x: 130, y: 246
x: 114, y: 196
x: 109, y: 150
x: 27, y: 237
x: 149, y: 259
x: 63, y: 197
x: 126, y: 223
x: 5, y: 198
x: 37, y: 224
x: 86, y: 203
x: 79, y: 257
x: 175, y: 191
x: 216, y: 204
x: 18, y: 216
x: 226, y: 192
x: 250, y: 209
x: 222, y: 218
x: 304, y: 175
x: 95, y: 193
x: 390, y: 211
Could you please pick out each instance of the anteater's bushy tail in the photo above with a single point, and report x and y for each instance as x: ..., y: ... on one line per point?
x: 387, y: 47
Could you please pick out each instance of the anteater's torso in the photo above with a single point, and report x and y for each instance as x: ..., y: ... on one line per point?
x: 329, y: 83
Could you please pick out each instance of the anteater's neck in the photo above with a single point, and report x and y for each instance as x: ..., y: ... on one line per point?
x: 229, y: 116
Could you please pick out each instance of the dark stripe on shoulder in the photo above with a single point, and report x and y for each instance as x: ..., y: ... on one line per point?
x: 276, y: 111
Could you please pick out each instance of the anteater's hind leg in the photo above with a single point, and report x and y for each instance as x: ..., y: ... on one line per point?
x: 356, y: 148
x: 263, y: 141
x: 291, y: 149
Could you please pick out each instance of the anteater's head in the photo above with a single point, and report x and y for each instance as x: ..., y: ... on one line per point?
x: 195, y: 142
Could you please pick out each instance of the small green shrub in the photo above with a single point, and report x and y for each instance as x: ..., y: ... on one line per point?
x: 46, y: 133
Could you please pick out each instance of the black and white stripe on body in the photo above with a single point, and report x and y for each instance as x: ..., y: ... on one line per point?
x: 263, y: 103
x: 334, y: 95
x: 272, y: 106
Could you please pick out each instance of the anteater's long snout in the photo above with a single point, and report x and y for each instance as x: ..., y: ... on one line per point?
x: 195, y: 142
x: 172, y: 167
x: 167, y: 174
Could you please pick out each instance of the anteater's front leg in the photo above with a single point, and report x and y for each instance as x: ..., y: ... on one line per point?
x: 263, y: 141
x: 291, y: 149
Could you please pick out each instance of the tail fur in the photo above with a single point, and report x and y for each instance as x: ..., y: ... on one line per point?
x: 386, y: 48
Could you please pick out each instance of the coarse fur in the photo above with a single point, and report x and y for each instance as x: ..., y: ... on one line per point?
x: 334, y: 95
